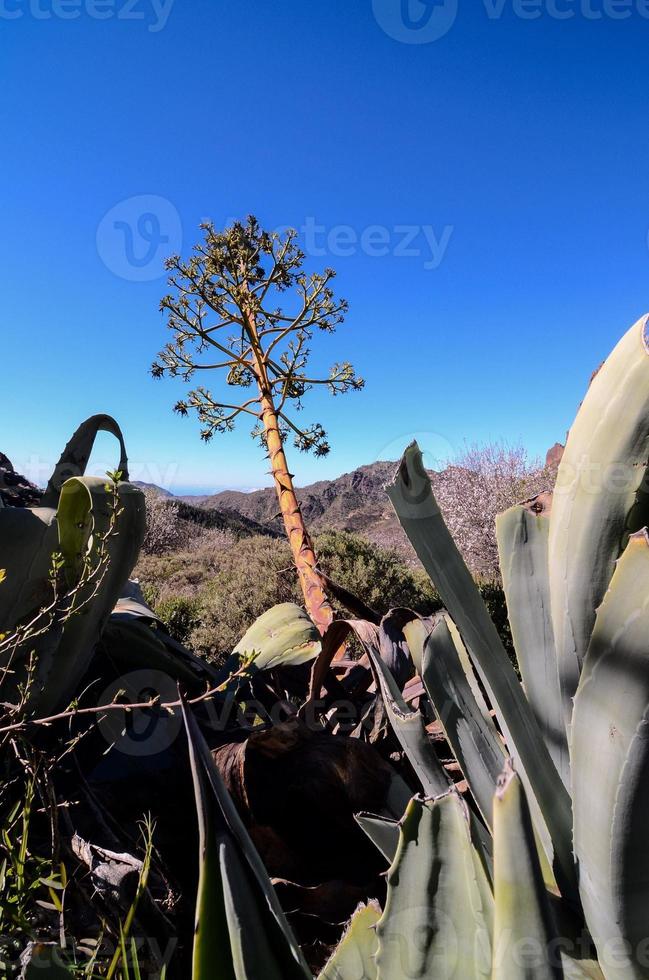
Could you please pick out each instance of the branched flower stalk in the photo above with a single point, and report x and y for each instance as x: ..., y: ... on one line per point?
x: 223, y: 318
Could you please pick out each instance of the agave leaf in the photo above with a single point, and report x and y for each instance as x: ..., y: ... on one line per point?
x: 63, y: 651
x: 398, y: 798
x: 355, y: 956
x: 438, y: 916
x: 393, y: 645
x: 525, y: 944
x: 467, y: 667
x: 76, y: 454
x: 406, y: 724
x: 133, y: 645
x: 283, y: 636
x: 28, y: 538
x: 610, y: 768
x: 600, y: 497
x: 241, y: 932
x: 580, y: 969
x: 416, y: 633
x: 474, y: 740
x: 57, y: 676
x: 523, y: 533
x: 382, y: 831
x: 409, y: 728
x: 412, y: 497
x: 332, y: 642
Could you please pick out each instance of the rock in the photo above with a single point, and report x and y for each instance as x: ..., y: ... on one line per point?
x: 16, y: 490
x: 553, y: 456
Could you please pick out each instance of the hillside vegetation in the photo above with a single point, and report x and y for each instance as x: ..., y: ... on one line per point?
x: 209, y: 571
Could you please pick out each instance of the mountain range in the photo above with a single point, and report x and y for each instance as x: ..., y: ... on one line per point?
x: 355, y: 501
x: 468, y: 497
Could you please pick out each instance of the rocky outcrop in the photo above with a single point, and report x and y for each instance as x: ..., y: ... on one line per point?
x: 16, y: 490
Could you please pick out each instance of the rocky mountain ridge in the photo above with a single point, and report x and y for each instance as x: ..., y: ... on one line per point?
x: 355, y: 501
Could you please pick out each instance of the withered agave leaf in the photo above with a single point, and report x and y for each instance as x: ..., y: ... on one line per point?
x: 240, y: 931
x: 407, y: 724
x: 293, y: 785
x: 133, y: 645
x: 409, y: 728
x: 283, y: 636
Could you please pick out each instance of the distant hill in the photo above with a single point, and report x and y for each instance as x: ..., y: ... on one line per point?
x: 16, y: 490
x: 469, y: 496
x: 153, y: 488
x: 222, y: 518
x: 355, y: 501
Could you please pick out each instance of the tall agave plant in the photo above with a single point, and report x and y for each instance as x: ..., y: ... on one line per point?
x: 538, y: 867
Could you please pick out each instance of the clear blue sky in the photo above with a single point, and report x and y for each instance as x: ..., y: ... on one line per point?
x: 513, y: 148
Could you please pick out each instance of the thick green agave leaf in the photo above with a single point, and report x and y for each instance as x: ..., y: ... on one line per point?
x: 412, y: 497
x: 438, y: 916
x: 600, y: 497
x: 610, y: 770
x: 28, y: 538
x: 240, y: 932
x: 76, y: 454
x: 57, y: 676
x: 525, y: 945
x: 283, y: 636
x: 473, y: 738
x: 355, y: 956
x: 382, y: 831
x: 28, y: 541
x: 523, y: 534
x: 64, y: 650
x: 133, y: 645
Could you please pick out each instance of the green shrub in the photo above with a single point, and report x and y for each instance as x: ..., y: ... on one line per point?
x: 181, y: 615
x: 376, y: 575
x: 253, y: 575
x: 209, y: 596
